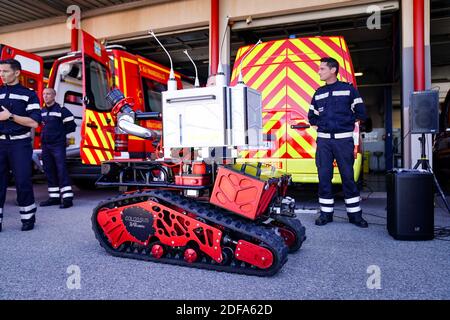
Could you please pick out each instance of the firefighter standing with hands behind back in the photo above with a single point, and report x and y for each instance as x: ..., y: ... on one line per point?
x: 57, y: 121
x: 334, y: 109
x: 19, y: 112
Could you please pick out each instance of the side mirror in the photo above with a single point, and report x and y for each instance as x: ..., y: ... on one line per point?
x: 366, y: 126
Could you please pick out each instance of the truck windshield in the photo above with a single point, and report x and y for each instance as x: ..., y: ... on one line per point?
x: 97, y: 86
x: 152, y: 94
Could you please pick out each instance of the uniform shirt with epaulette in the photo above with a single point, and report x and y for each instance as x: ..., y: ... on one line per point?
x: 57, y: 121
x: 336, y: 107
x: 20, y: 101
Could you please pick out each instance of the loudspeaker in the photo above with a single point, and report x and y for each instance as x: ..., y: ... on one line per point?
x: 410, y: 207
x: 424, y: 111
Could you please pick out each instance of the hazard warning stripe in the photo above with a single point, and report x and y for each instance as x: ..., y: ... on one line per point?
x: 273, y: 88
x: 301, y: 145
x: 93, y: 159
x: 100, y: 155
x: 97, y: 146
x: 297, y: 94
x: 264, y: 76
x: 278, y: 100
x: 101, y: 135
x: 110, y: 137
x: 325, y: 50
x: 253, y: 56
x: 303, y: 80
x: 262, y: 54
x: 289, y: 89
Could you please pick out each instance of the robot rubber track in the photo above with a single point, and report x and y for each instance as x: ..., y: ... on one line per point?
x: 231, y: 226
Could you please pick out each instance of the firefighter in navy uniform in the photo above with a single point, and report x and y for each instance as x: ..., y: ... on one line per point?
x: 19, y: 112
x: 57, y: 121
x: 334, y: 109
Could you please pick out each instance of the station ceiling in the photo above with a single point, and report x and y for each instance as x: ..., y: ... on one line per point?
x: 374, y: 52
x: 22, y: 11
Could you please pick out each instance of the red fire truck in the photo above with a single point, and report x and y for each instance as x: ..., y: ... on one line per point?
x: 81, y: 83
x: 32, y: 74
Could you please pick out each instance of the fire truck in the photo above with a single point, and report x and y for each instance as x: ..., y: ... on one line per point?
x: 285, y: 72
x: 32, y: 74
x: 81, y: 85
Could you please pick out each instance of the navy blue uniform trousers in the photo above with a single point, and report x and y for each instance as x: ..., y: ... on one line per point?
x: 16, y: 155
x: 342, y: 151
x: 54, y: 162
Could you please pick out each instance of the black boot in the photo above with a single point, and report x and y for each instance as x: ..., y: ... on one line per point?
x: 324, y: 218
x: 28, y: 225
x: 50, y: 202
x: 357, y: 220
x: 67, y: 203
x: 0, y: 227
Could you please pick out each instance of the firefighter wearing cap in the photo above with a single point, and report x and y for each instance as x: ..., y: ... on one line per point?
x: 57, y: 122
x: 334, y: 109
x: 19, y: 112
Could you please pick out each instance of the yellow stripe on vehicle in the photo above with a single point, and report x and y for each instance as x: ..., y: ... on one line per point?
x: 103, y: 139
x: 261, y: 154
x: 280, y: 151
x: 111, y: 140
x: 302, y: 142
x: 101, y: 116
x: 261, y: 79
x: 298, y: 98
x: 271, y: 86
x: 305, y: 49
x: 252, y: 54
x: 250, y: 73
x: 274, y: 47
x: 329, y: 51
x: 276, y: 99
x: 292, y: 152
x: 100, y: 155
x: 301, y: 82
x: 89, y: 156
x: 92, y: 138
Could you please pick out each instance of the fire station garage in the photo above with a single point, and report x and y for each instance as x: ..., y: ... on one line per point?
x: 221, y: 146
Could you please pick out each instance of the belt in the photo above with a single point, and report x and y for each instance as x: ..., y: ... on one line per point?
x: 341, y: 135
x: 15, y: 137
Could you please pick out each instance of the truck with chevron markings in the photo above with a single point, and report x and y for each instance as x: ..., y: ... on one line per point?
x: 81, y: 85
x: 285, y: 72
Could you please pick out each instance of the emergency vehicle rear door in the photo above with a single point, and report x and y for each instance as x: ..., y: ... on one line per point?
x: 97, y: 128
x: 31, y: 76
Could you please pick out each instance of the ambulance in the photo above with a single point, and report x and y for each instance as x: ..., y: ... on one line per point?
x: 286, y: 74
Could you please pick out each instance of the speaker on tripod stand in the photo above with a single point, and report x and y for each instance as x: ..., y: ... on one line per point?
x: 425, y: 103
x: 424, y: 113
x: 410, y: 193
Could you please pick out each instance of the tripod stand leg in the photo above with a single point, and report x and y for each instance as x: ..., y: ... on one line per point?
x: 436, y: 183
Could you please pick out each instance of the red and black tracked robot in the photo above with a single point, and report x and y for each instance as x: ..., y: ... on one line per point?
x: 191, y: 204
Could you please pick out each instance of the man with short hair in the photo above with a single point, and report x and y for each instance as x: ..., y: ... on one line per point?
x: 57, y: 122
x: 19, y: 112
x: 334, y: 109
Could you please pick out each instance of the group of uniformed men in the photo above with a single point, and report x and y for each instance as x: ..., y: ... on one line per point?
x: 20, y: 112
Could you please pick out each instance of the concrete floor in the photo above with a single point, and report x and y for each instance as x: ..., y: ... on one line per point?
x: 337, y: 261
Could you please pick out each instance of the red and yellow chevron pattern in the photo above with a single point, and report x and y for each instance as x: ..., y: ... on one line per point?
x: 285, y: 72
x: 99, y: 141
